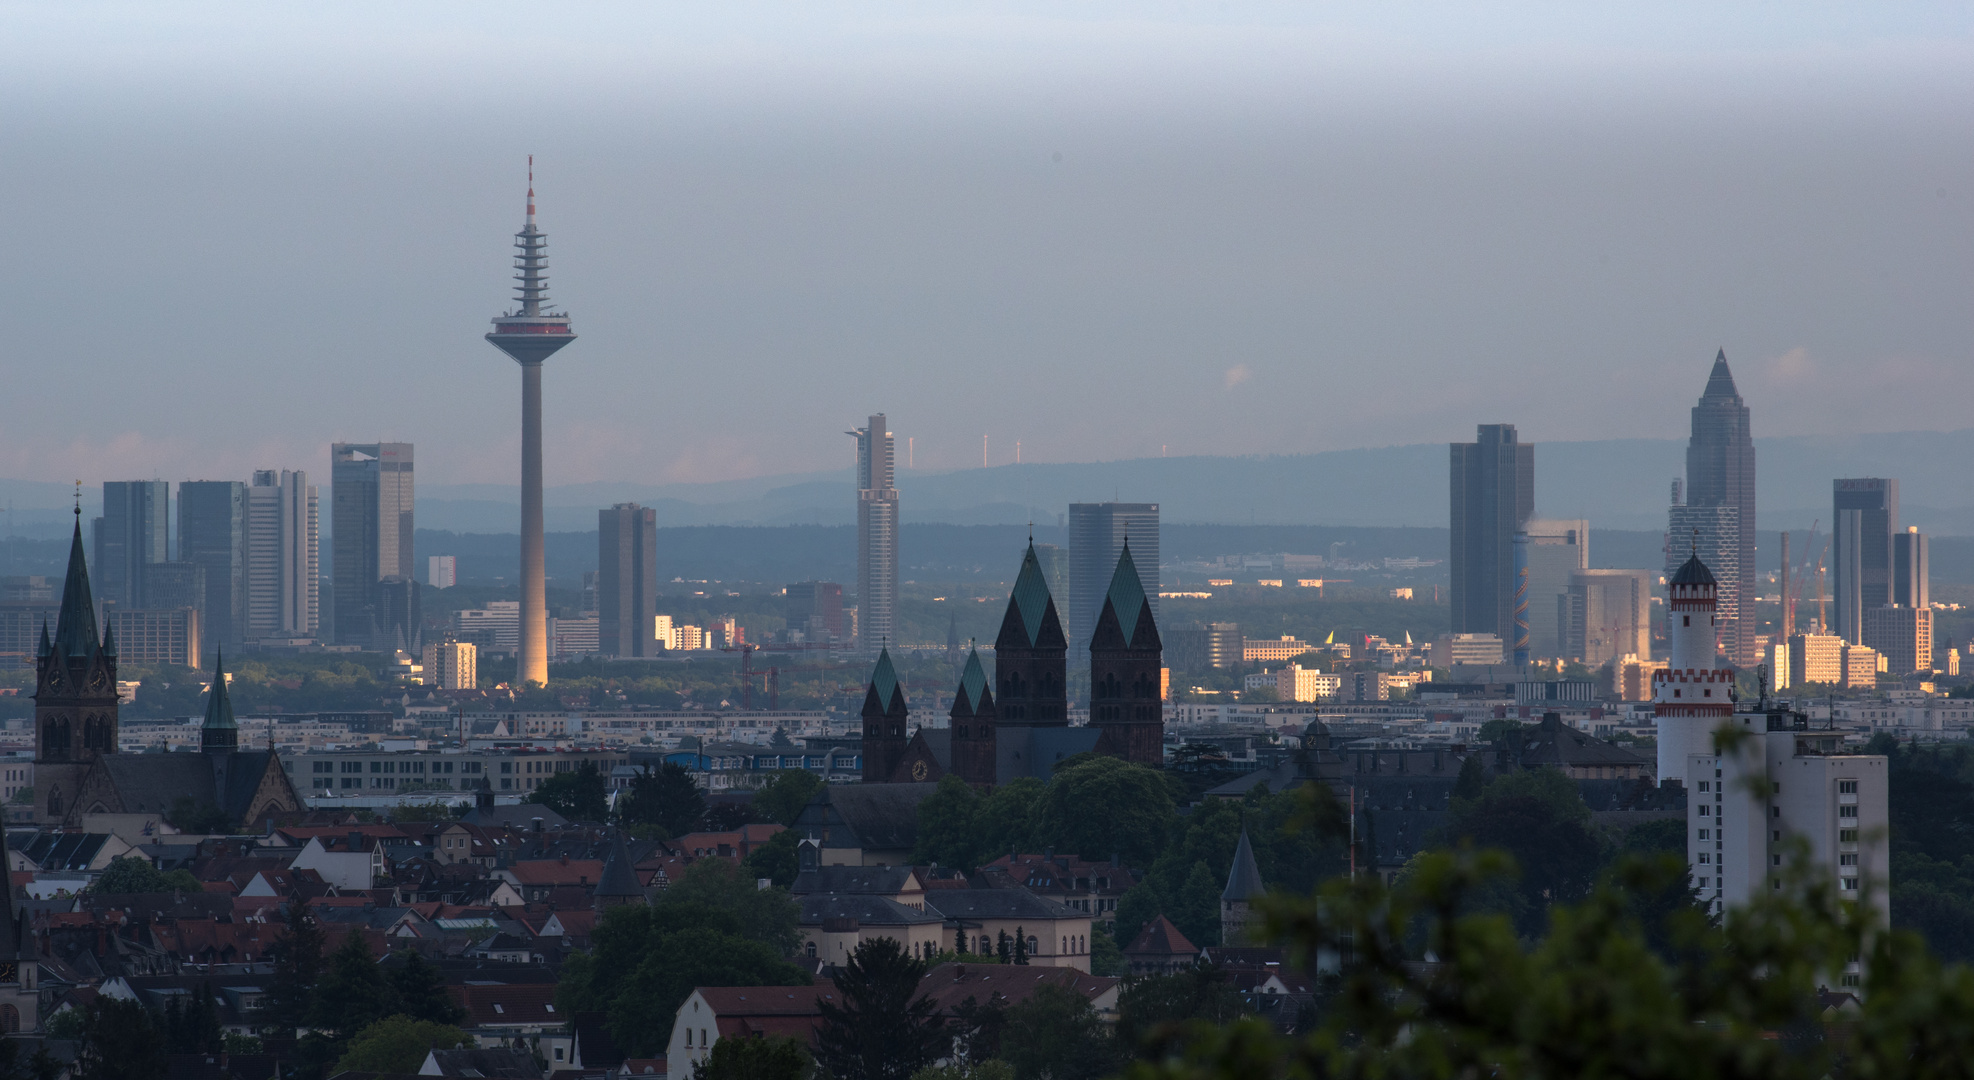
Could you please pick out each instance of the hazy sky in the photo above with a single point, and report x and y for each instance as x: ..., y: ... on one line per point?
x: 237, y: 233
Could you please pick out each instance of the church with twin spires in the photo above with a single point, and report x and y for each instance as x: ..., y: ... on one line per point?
x: 1017, y: 723
x: 78, y: 770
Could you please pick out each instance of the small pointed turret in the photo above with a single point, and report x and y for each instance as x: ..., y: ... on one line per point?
x: 1244, y: 887
x: 617, y: 884
x: 220, y: 734
x: 75, y: 627
x: 974, y: 716
x: 1720, y: 381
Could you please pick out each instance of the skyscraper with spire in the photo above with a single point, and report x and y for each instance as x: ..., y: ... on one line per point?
x: 530, y: 334
x: 1720, y: 477
x: 877, y: 535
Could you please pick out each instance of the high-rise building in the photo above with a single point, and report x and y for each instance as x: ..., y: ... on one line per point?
x: 1865, y: 514
x: 442, y: 572
x: 169, y: 586
x: 133, y: 533
x: 1557, y: 550
x: 451, y: 664
x: 1902, y: 635
x: 1910, y: 574
x: 1097, y: 532
x: 370, y: 521
x: 530, y: 333
x: 877, y: 535
x: 1713, y: 534
x: 1125, y: 662
x: 816, y: 609
x: 157, y: 635
x: 212, y: 534
x: 1607, y: 614
x: 1492, y: 493
x: 1720, y: 471
x: 1815, y: 658
x: 283, y: 541
x: 626, y: 581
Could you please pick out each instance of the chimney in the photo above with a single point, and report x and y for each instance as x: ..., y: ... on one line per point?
x: 537, y: 824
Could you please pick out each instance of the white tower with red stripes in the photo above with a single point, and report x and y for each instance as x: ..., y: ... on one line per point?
x: 1694, y: 695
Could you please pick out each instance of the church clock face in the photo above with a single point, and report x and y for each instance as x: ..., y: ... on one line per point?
x: 918, y: 770
x: 99, y: 680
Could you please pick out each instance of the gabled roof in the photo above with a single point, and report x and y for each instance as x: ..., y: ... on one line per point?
x: 997, y: 904
x: 951, y: 985
x: 618, y: 878
x: 1720, y: 381
x: 879, y: 817
x: 866, y: 909
x: 1160, y: 938
x: 973, y: 681
x: 736, y: 1001
x: 75, y: 628
x: 860, y: 880
x: 1244, y: 877
x: 1557, y: 744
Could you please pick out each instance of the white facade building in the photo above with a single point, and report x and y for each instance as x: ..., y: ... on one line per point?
x: 282, y: 543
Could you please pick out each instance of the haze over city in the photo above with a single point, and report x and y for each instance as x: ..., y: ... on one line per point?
x: 1105, y: 232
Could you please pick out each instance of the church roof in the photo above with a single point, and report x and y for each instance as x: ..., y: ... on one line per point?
x: 1031, y: 594
x: 973, y: 681
x: 1720, y: 382
x: 1693, y: 572
x: 151, y: 783
x: 1244, y: 878
x: 219, y: 703
x: 618, y: 878
x: 884, y: 682
x: 1127, y: 592
x: 75, y: 627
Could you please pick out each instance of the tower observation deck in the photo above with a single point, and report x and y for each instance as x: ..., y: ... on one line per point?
x: 531, y: 334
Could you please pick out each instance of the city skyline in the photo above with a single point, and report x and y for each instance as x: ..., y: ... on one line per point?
x: 1126, y: 239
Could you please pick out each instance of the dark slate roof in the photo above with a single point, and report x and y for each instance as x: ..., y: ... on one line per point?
x: 995, y: 904
x: 1160, y: 938
x: 886, y: 694
x: 973, y: 681
x: 939, y: 742
x: 1692, y: 571
x: 1127, y: 591
x: 868, y: 880
x: 59, y: 850
x: 514, y: 817
x: 495, y: 1064
x: 219, y: 703
x: 1244, y: 877
x: 149, y: 783
x: 619, y: 877
x: 866, y: 910
x: 1031, y: 597
x: 1556, y: 744
x: 1034, y: 751
x: 879, y: 817
x: 1720, y: 381
x: 75, y: 628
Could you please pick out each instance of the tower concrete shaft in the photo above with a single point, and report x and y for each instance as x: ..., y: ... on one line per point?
x: 531, y: 334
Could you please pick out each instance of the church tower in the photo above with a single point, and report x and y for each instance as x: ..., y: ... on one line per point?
x: 974, y: 715
x: 1238, y: 919
x: 1125, y: 660
x: 884, y: 721
x: 1691, y: 697
x: 1031, y: 655
x: 220, y: 734
x: 75, y: 694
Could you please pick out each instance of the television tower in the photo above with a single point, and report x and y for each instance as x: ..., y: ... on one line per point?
x: 531, y: 334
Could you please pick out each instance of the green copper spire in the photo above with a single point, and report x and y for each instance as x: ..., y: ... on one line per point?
x: 1127, y: 593
x: 1031, y: 594
x: 973, y: 681
x: 219, y: 704
x: 75, y: 627
x: 884, y: 678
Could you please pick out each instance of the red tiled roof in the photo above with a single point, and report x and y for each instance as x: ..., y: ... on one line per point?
x: 1160, y: 938
x: 951, y: 985
x: 765, y: 1001
x: 558, y: 871
x: 509, y: 1004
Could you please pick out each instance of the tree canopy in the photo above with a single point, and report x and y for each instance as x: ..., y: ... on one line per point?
x: 665, y: 797
x: 581, y: 794
x: 135, y: 874
x: 881, y: 1029
x: 399, y: 1044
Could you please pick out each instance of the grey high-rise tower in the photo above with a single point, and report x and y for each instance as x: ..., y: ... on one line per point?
x: 626, y: 580
x: 1864, y: 517
x: 370, y: 519
x: 531, y: 333
x: 133, y: 533
x: 282, y: 539
x: 1097, y: 532
x: 1491, y: 483
x: 1720, y: 471
x: 877, y: 536
x: 212, y: 534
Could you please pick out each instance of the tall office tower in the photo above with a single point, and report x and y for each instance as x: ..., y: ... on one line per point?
x: 370, y: 519
x: 212, y: 533
x: 1557, y: 549
x: 626, y: 580
x: 1031, y: 657
x: 133, y: 533
x: 531, y: 334
x: 877, y: 535
x: 1865, y: 514
x: 1492, y: 489
x: 75, y: 695
x: 816, y: 609
x: 1126, y: 695
x: 1910, y: 587
x: 1607, y: 615
x: 283, y: 535
x: 1097, y: 532
x: 1691, y: 696
x: 973, y: 717
x: 1720, y: 471
x: 885, y: 713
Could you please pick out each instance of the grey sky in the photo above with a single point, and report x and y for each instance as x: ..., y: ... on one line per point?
x: 238, y: 233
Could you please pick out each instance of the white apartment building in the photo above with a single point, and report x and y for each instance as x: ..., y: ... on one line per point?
x: 494, y: 628
x: 1297, y: 683
x: 452, y: 665
x: 574, y: 638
